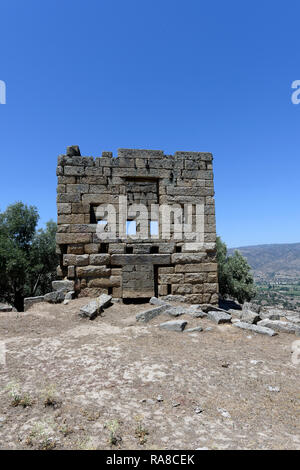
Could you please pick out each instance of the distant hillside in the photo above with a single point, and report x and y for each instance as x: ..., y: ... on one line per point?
x: 269, y: 261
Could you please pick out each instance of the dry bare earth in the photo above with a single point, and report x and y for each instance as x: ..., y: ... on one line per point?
x: 106, y: 375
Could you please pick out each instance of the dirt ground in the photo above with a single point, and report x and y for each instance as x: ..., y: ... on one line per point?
x: 72, y: 383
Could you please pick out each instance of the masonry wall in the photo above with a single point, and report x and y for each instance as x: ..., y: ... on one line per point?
x: 121, y: 266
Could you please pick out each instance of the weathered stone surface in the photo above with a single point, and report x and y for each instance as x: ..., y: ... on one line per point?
x: 269, y: 315
x: 90, y: 310
x: 75, y: 260
x: 90, y: 271
x: 277, y: 325
x: 139, y: 259
x: 29, y: 301
x: 112, y: 281
x: 187, y: 258
x: 175, y: 298
x: 255, y: 328
x: 104, y: 300
x: 253, y: 307
x: 70, y: 295
x: 55, y: 297
x: 73, y: 150
x: 177, y: 311
x: 156, y: 301
x: 65, y: 285
x: 147, y: 315
x: 93, y: 308
x: 193, y: 330
x: 219, y: 317
x: 249, y: 317
x: 294, y: 318
x: 175, y: 325
x: 5, y: 308
x: 196, y: 312
x: 99, y: 259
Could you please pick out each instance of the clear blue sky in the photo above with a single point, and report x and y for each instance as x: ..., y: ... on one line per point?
x: 170, y: 75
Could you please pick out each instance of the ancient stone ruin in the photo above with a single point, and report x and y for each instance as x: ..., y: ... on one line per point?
x: 138, y: 225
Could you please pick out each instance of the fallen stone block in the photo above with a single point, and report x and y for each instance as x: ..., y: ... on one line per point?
x: 90, y: 310
x: 55, y: 297
x: 192, y: 330
x: 293, y: 319
x: 156, y: 301
x: 104, y: 300
x: 196, y: 312
x: 175, y: 325
x: 147, y: 315
x: 236, y: 313
x: 269, y: 316
x: 249, y: 317
x: 93, y: 308
x: 255, y: 328
x: 70, y: 295
x: 211, y: 308
x: 219, y: 317
x: 277, y: 325
x: 5, y: 308
x: 29, y: 301
x: 176, y: 311
x: 252, y: 307
x: 65, y: 285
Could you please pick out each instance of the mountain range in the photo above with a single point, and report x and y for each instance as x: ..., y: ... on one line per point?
x: 272, y: 261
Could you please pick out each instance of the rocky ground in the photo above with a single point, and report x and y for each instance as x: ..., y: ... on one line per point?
x: 71, y: 383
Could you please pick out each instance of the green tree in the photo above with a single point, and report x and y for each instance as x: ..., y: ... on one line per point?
x: 27, y: 256
x: 234, y: 272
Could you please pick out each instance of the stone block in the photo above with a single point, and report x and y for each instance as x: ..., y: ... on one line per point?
x: 65, y: 285
x: 93, y: 308
x: 281, y: 326
x: 249, y: 317
x: 170, y: 278
x: 255, y: 328
x: 174, y: 325
x: 55, y: 297
x: 29, y: 301
x: 182, y: 289
x: 219, y: 317
x: 99, y: 259
x: 148, y: 315
x: 91, y: 248
x: 187, y: 258
x: 139, y: 259
x: 92, y: 271
x: 194, y: 278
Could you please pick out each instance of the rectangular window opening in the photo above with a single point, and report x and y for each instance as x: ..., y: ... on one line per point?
x: 131, y: 227
x: 93, y: 215
x: 103, y: 248
x: 154, y: 228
